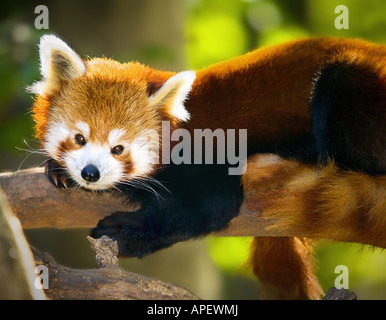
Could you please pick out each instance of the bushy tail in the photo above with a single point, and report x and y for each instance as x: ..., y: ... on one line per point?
x: 313, y: 202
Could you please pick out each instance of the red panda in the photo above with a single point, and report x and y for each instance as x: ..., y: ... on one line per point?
x: 309, y: 100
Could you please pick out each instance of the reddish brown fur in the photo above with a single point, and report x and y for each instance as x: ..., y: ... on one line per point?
x: 276, y: 110
x: 314, y: 202
x: 323, y: 202
x: 281, y: 76
x: 285, y: 268
x: 317, y: 203
x: 109, y: 91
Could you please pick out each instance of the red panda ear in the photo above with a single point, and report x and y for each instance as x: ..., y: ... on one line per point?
x: 170, y: 97
x: 58, y: 62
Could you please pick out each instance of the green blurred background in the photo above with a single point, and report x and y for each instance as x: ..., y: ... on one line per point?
x: 175, y: 35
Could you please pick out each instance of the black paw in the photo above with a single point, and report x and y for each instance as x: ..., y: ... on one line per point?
x: 57, y: 175
x: 134, y: 236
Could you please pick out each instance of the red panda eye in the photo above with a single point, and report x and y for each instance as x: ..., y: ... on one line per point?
x: 117, y: 150
x: 80, y: 140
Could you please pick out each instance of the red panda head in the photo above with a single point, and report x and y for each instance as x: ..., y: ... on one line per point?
x: 100, y: 119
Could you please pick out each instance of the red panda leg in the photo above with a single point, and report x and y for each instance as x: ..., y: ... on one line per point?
x: 285, y: 268
x: 284, y: 265
x: 349, y: 112
x: 194, y: 200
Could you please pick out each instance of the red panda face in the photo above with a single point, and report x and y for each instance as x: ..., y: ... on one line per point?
x: 96, y: 119
x: 94, y: 123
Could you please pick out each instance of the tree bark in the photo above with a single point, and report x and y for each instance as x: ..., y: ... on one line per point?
x: 340, y: 294
x: 18, y: 280
x: 17, y: 276
x: 107, y: 283
x: 38, y: 204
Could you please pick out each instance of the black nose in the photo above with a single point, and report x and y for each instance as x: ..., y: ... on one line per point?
x: 90, y: 173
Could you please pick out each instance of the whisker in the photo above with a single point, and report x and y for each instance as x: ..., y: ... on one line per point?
x: 61, y: 170
x: 40, y: 152
x: 43, y: 162
x: 75, y: 188
x: 116, y: 188
x: 148, y: 187
x: 30, y: 152
x: 24, y: 160
x: 142, y: 185
x: 147, y: 179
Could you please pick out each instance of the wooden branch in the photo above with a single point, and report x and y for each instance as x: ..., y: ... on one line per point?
x: 340, y: 294
x: 38, y: 204
x: 108, y: 283
x: 17, y: 276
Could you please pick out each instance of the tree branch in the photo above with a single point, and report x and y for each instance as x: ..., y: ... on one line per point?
x: 107, y: 283
x: 16, y: 261
x: 38, y: 204
x: 340, y: 294
x: 17, y: 276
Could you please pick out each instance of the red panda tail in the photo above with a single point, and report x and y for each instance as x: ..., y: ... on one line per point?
x: 285, y: 268
x: 313, y: 202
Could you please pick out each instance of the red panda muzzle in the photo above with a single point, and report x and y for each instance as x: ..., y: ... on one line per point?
x: 90, y: 173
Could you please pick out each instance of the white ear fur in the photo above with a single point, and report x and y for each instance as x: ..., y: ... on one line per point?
x: 74, y: 63
x: 173, y: 93
x: 50, y: 42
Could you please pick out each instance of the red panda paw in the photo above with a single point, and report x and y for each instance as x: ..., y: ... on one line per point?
x: 57, y: 175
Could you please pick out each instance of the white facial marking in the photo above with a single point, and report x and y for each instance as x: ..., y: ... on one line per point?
x: 98, y: 155
x: 56, y: 133
x: 84, y: 128
x: 114, y: 136
x: 144, y: 152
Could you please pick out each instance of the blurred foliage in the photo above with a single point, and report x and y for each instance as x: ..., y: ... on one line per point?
x: 18, y: 68
x: 218, y: 30
x: 366, y: 265
x: 215, y: 30
x: 230, y: 253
